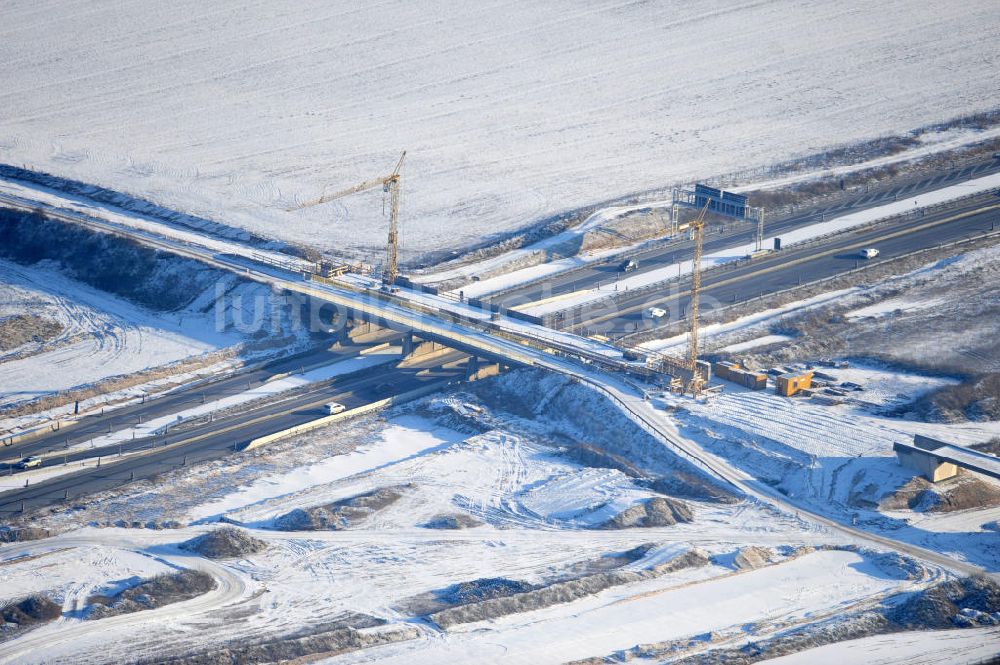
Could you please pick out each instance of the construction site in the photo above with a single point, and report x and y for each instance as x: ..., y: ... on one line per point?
x: 422, y: 334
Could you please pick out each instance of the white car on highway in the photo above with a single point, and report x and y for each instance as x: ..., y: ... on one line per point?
x: 656, y: 313
x: 29, y: 462
x: 869, y: 253
x: 334, y: 408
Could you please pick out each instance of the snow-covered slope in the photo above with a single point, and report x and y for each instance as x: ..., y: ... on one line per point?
x: 511, y: 111
x: 106, y: 336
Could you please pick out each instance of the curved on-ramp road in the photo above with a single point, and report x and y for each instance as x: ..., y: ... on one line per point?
x: 230, y: 588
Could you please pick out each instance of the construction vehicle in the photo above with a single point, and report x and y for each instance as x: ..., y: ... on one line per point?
x: 733, y: 371
x: 390, y: 185
x: 696, y: 382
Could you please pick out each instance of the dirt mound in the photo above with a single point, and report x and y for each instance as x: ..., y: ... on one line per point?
x: 482, y: 589
x: 568, y: 410
x: 224, y: 543
x: 962, y: 492
x: 691, y: 486
x: 17, y: 617
x: 348, y: 632
x: 452, y: 521
x: 966, y: 602
x: 152, y: 593
x: 658, y: 511
x: 752, y: 558
x: 325, y: 644
x: 560, y: 592
x: 341, y: 514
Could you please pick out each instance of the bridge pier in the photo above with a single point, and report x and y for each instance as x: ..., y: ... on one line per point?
x: 415, y: 348
x: 478, y: 368
x: 355, y: 332
x: 359, y: 329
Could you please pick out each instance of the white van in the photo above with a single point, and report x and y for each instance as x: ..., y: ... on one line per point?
x: 333, y: 408
x: 869, y: 253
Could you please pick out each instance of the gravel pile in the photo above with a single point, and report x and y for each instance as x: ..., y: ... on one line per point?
x: 224, y: 543
x: 658, y: 511
x: 752, y: 558
x: 341, y: 514
x: 152, y: 593
x: 452, y: 521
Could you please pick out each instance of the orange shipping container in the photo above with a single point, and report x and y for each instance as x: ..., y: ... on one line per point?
x: 789, y: 384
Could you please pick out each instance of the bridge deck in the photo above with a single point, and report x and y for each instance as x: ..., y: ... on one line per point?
x: 988, y: 465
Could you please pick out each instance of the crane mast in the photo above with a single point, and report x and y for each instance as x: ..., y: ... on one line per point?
x: 390, y: 185
x: 698, y: 226
x: 392, y: 246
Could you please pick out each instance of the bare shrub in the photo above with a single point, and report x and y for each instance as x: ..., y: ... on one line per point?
x: 21, y: 329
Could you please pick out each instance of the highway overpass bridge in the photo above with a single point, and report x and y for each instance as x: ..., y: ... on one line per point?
x: 434, y: 317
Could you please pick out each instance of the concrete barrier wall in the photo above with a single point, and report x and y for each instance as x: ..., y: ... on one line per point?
x: 351, y: 413
x: 48, y: 428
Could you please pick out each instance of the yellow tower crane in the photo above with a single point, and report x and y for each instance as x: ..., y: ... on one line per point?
x: 696, y: 383
x: 390, y: 185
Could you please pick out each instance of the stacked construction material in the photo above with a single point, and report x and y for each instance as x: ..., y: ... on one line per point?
x: 731, y: 371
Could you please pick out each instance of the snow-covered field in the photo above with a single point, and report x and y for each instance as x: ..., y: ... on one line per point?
x: 617, y: 619
x: 511, y: 112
